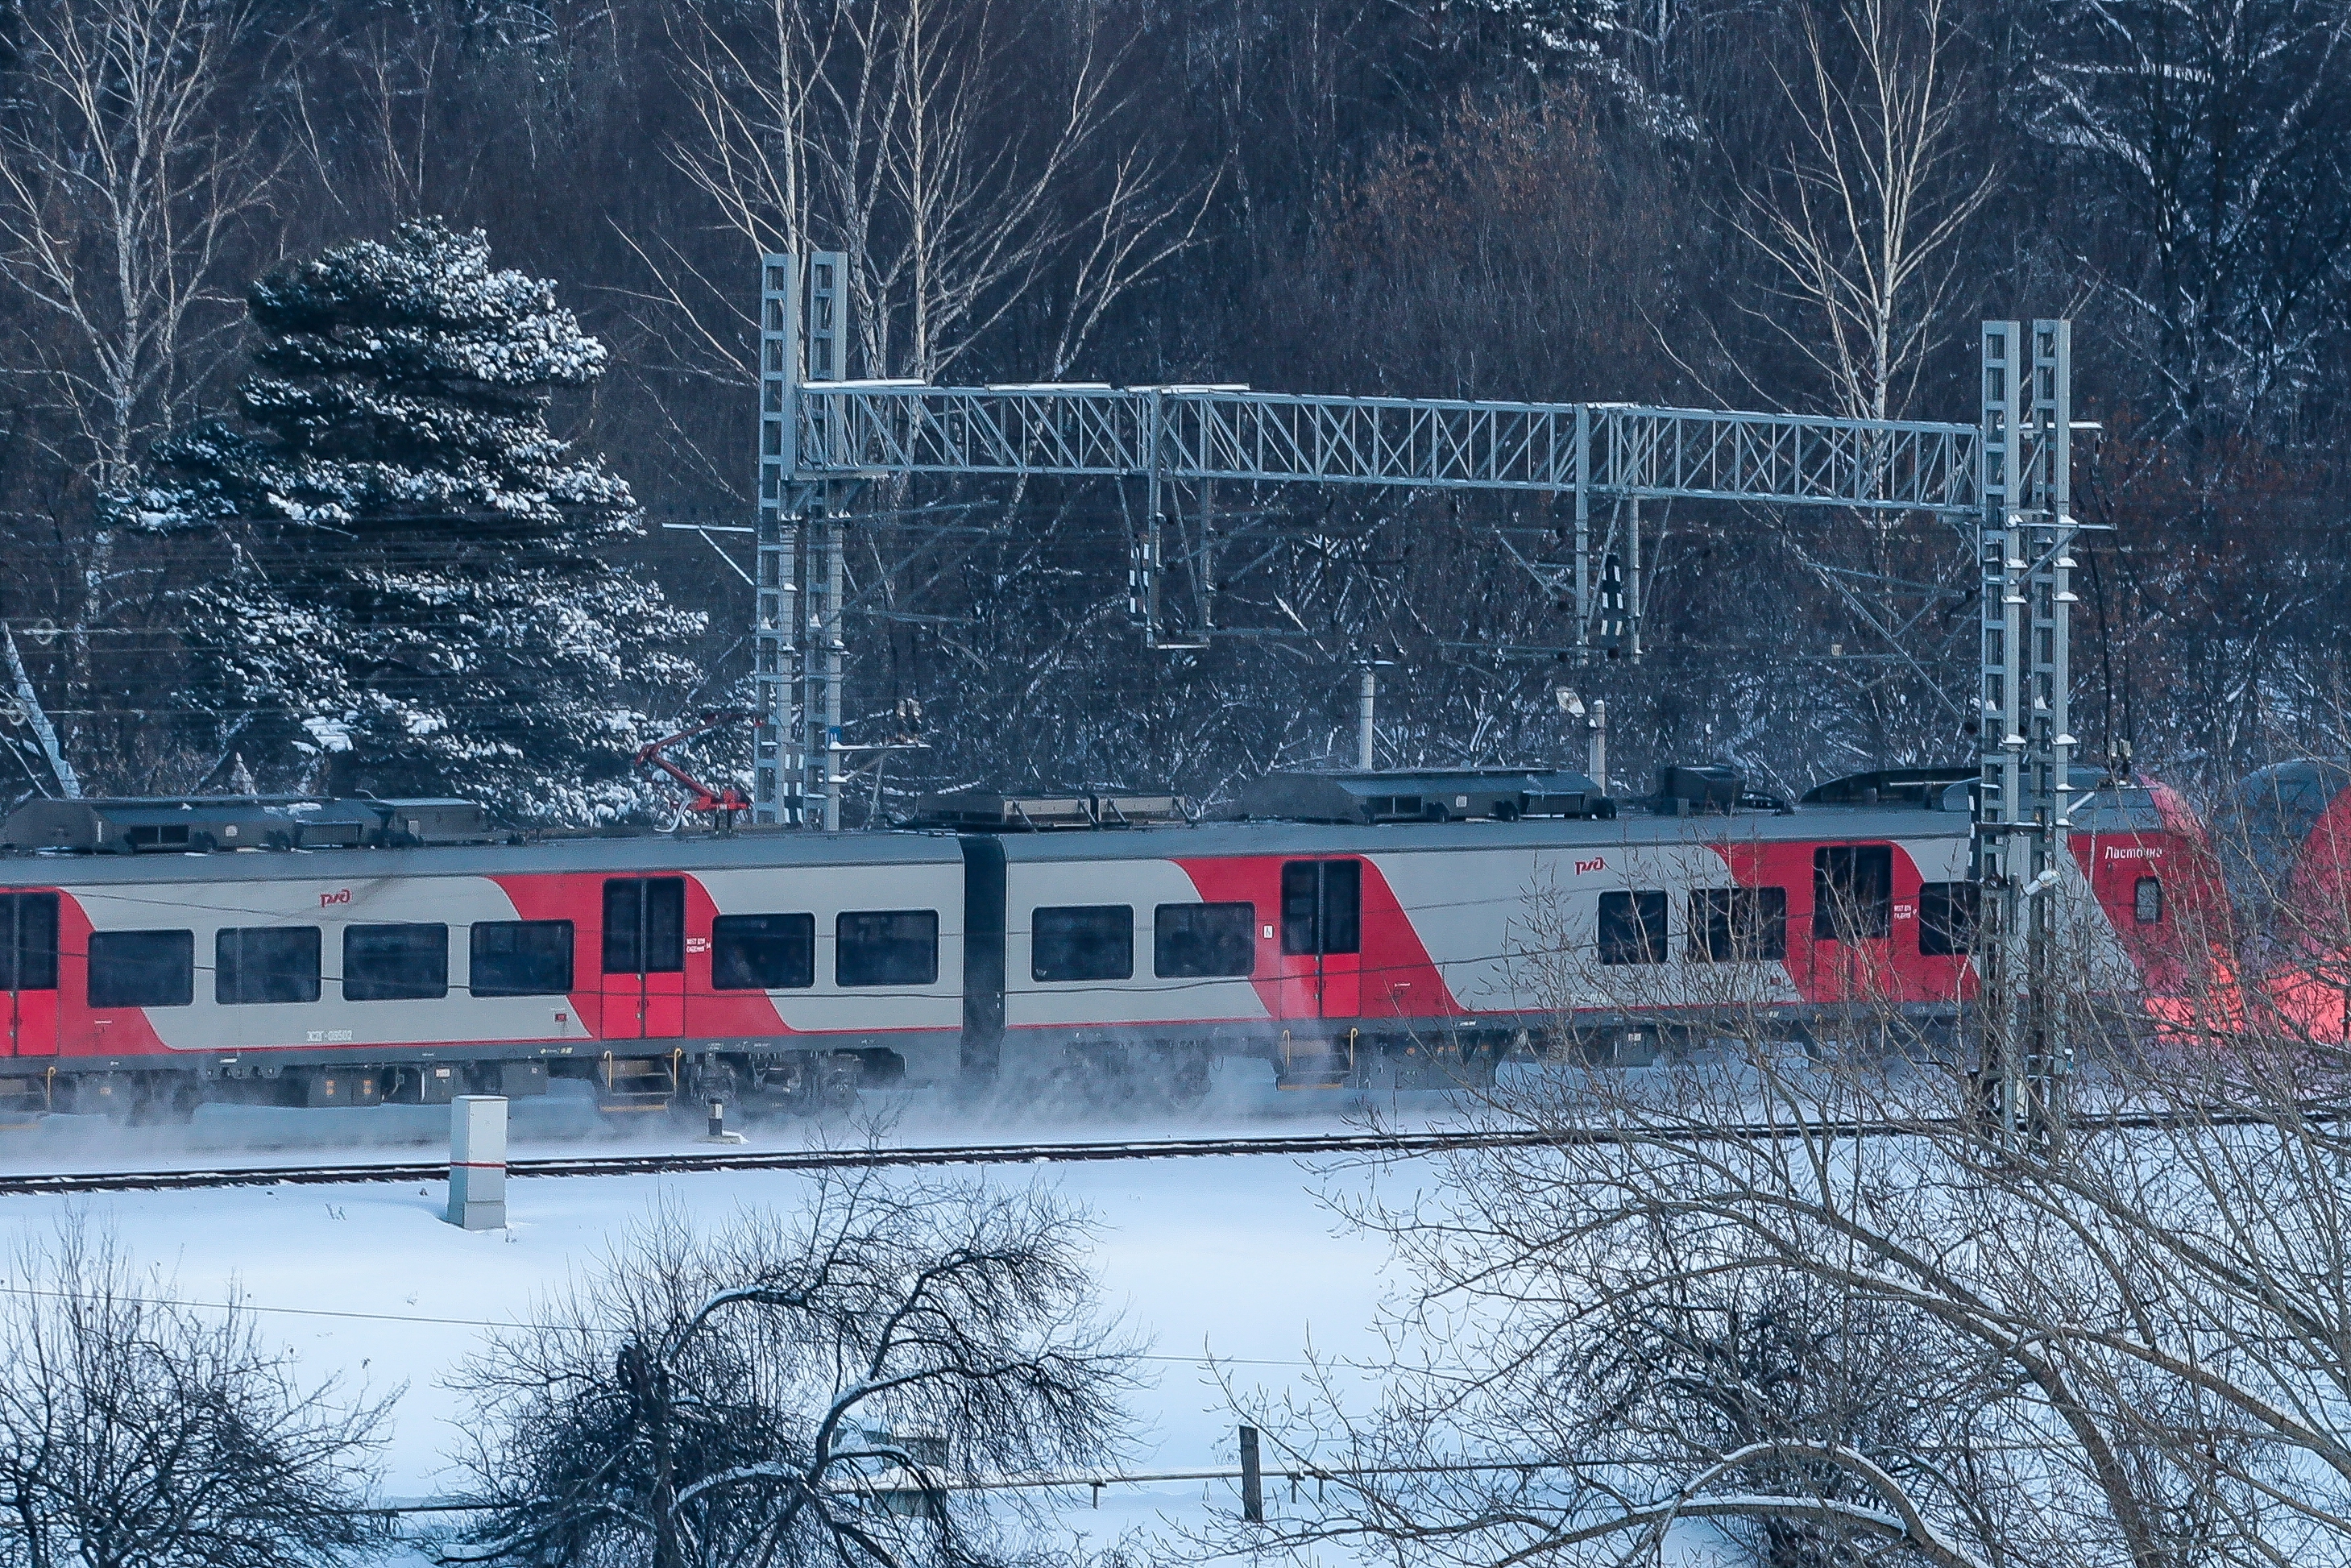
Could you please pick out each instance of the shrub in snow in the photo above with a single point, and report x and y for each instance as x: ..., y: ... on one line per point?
x: 800, y: 1392
x: 418, y: 605
x: 138, y: 1430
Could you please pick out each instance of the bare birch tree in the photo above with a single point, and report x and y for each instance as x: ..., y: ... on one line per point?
x: 124, y: 177
x: 917, y: 137
x: 1858, y: 226
x: 128, y: 172
x: 1860, y: 223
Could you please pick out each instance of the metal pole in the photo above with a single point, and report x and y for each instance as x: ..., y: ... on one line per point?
x: 477, y: 1162
x: 2000, y: 855
x: 1583, y: 533
x: 835, y: 652
x: 1367, y: 692
x: 1633, y: 581
x: 827, y: 361
x: 2051, y: 740
x: 1253, y: 1478
x: 2026, y: 745
x: 1597, y: 722
x: 776, y: 768
x: 1143, y: 575
x: 1205, y: 577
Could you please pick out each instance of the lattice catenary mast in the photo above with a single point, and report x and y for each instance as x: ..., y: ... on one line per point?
x: 822, y: 437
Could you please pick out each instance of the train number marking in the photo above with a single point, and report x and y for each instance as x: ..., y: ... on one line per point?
x: 330, y: 1037
x: 340, y: 896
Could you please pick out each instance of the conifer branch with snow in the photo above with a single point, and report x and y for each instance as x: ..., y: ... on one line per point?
x: 417, y: 604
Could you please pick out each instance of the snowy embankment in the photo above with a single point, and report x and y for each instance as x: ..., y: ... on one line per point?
x: 1234, y: 1257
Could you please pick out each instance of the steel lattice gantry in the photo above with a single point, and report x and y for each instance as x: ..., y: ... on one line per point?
x: 1206, y: 433
x: 821, y: 435
x: 1192, y: 434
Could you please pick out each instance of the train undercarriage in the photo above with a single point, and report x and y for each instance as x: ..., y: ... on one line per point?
x: 751, y: 1081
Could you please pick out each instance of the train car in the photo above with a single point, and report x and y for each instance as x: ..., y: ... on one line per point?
x: 415, y: 962
x: 2284, y: 840
x: 1345, y: 927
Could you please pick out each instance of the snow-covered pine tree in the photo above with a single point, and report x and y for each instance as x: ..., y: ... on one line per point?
x: 418, y: 605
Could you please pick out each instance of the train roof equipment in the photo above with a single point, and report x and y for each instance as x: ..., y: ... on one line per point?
x: 989, y: 811
x: 721, y: 804
x: 1423, y: 795
x: 1713, y: 790
x: 168, y: 825
x: 1928, y: 789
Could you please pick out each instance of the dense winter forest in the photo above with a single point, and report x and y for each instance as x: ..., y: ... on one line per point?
x: 308, y: 485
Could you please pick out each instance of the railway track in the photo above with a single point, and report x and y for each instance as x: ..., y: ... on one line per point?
x: 687, y: 1161
x: 683, y: 1162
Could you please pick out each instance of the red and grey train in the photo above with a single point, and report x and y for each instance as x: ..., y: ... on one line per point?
x: 1344, y: 926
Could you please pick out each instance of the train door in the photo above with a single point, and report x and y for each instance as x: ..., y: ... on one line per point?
x: 1853, y: 922
x: 28, y: 972
x: 1323, y: 938
x: 644, y: 958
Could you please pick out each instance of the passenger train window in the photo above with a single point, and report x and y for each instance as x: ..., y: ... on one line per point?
x: 1323, y: 906
x: 28, y: 941
x: 519, y: 958
x: 2147, y: 901
x: 1739, y: 924
x: 886, y: 947
x: 1082, y: 942
x: 265, y: 964
x: 395, y: 963
x: 763, y: 952
x: 1633, y: 927
x: 1200, y: 941
x: 1947, y: 918
x: 644, y: 924
x: 143, y: 968
x: 1852, y: 891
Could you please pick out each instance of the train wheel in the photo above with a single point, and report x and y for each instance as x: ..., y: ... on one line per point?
x: 166, y: 1104
x: 705, y: 1083
x: 1186, y: 1079
x: 100, y: 1094
x: 837, y: 1078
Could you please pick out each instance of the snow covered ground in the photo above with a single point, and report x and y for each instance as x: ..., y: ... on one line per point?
x: 1232, y: 1257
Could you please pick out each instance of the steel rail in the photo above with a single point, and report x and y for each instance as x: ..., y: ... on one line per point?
x: 687, y: 1163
